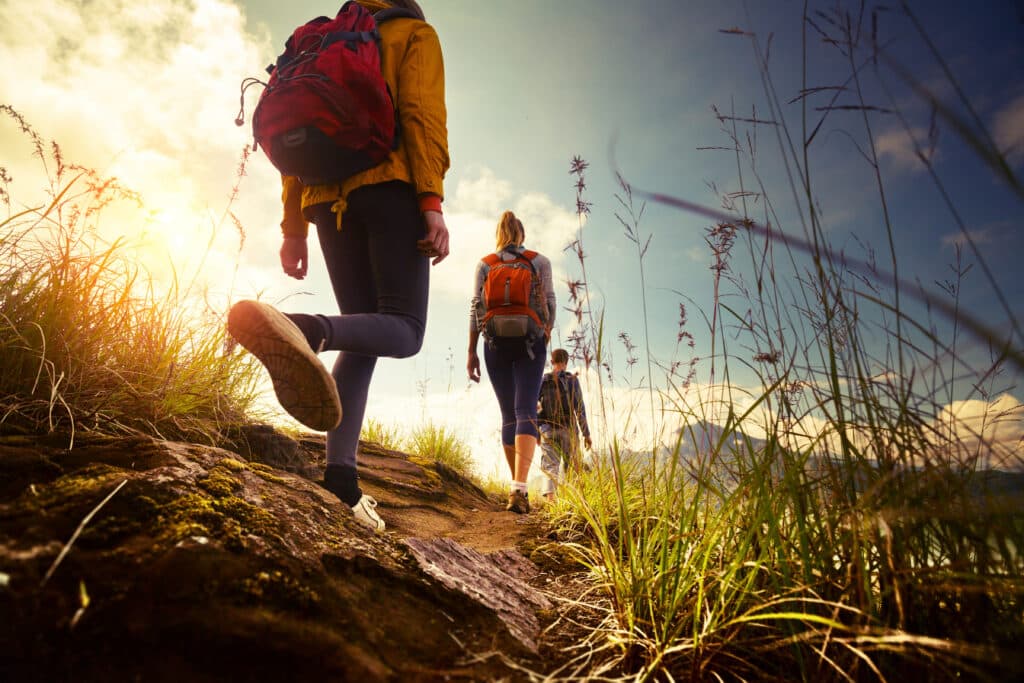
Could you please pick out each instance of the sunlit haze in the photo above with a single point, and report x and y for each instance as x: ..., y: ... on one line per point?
x: 149, y: 93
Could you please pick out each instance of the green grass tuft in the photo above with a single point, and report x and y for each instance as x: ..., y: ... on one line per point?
x: 388, y: 436
x: 441, y: 444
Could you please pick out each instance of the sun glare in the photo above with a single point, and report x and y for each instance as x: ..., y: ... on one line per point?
x: 170, y: 228
x: 178, y: 249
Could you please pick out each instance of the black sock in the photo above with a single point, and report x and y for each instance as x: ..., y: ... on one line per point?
x: 313, y: 327
x: 342, y: 481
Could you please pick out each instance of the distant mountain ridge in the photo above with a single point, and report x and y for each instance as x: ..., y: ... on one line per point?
x: 705, y: 437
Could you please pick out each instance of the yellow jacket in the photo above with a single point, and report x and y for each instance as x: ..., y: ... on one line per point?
x: 413, y: 68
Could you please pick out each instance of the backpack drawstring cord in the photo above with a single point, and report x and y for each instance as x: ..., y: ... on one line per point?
x: 246, y: 82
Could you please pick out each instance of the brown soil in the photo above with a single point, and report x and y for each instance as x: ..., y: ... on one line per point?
x: 414, y: 503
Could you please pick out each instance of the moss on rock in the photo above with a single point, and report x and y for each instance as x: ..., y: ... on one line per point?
x: 228, y: 519
x: 266, y: 472
x: 220, y: 482
x: 279, y: 589
x: 93, y: 480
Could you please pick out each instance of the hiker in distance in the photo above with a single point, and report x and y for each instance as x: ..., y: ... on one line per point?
x: 561, y: 414
x: 379, y: 231
x: 513, y: 307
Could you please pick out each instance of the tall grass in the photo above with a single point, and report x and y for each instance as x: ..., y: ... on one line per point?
x: 857, y: 537
x: 426, y: 441
x: 388, y: 436
x: 439, y: 443
x: 86, y: 340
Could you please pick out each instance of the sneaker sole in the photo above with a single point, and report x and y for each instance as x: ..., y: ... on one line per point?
x: 302, y: 384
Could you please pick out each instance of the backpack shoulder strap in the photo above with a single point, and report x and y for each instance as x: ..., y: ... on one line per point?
x: 547, y: 383
x: 572, y: 385
x: 393, y: 13
x: 528, y: 255
x: 533, y: 266
x: 567, y: 390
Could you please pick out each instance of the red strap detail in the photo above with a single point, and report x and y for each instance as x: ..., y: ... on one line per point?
x: 430, y: 202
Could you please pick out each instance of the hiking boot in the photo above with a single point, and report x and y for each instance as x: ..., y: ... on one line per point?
x: 518, y: 503
x: 303, y: 386
x: 366, y: 514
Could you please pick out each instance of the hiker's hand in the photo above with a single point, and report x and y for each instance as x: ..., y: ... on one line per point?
x: 294, y: 257
x: 435, y: 243
x: 473, y: 366
x: 587, y: 442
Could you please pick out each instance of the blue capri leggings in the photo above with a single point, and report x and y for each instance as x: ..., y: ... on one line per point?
x: 516, y: 380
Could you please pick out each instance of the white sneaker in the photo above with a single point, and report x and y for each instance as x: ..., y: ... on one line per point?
x: 366, y: 514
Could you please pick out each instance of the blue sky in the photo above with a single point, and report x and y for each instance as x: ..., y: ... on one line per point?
x: 152, y: 94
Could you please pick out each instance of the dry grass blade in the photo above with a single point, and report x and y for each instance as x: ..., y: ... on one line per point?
x: 982, y: 330
x: 81, y: 526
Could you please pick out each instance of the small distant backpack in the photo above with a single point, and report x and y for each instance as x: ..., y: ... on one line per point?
x: 326, y: 112
x: 511, y: 297
x: 555, y: 408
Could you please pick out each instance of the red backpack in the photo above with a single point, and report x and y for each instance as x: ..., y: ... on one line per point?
x: 326, y: 113
x: 511, y: 297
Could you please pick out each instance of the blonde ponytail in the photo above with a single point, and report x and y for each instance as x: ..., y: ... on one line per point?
x: 510, y: 232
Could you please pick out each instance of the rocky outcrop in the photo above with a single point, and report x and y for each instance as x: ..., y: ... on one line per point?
x: 204, y: 564
x: 480, y: 578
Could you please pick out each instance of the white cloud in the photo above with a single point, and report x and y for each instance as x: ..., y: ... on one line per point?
x: 549, y: 227
x: 897, y: 147
x: 887, y: 377
x: 149, y: 95
x: 472, y: 216
x: 482, y: 195
x: 986, y: 434
x: 982, y: 236
x: 990, y: 431
x: 1008, y: 130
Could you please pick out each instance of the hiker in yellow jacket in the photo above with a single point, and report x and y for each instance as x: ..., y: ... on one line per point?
x: 379, y: 231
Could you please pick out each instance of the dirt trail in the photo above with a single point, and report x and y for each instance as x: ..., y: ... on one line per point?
x: 417, y: 502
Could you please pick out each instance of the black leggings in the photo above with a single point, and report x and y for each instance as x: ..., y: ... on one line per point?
x: 380, y: 282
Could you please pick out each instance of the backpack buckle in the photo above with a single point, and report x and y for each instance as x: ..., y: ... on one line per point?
x: 294, y: 138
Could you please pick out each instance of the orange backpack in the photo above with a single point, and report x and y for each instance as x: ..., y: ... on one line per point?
x: 511, y: 297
